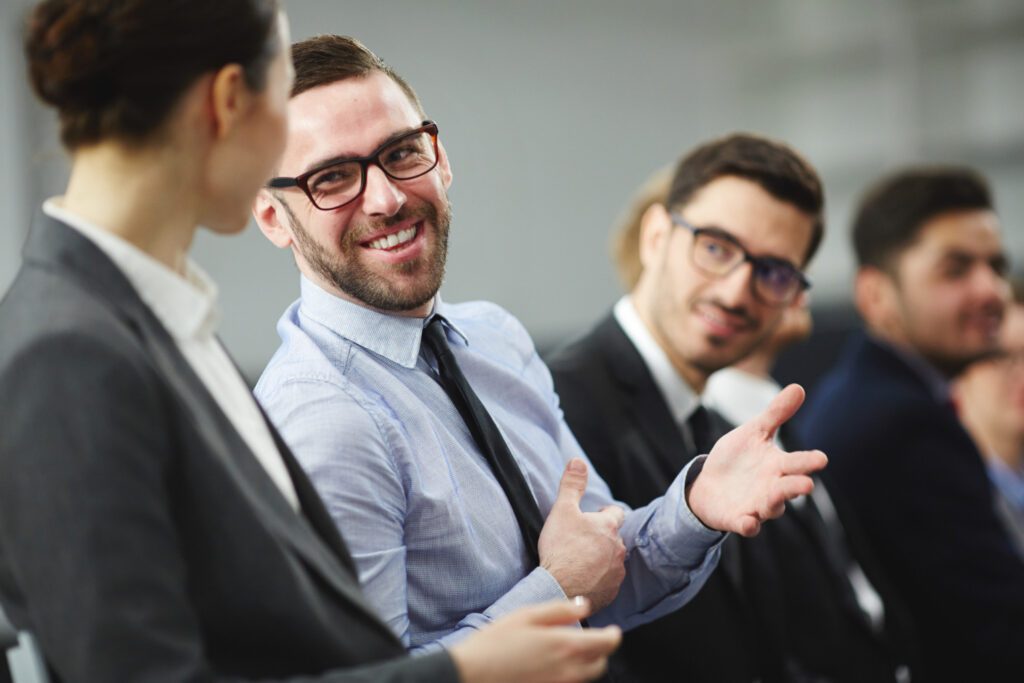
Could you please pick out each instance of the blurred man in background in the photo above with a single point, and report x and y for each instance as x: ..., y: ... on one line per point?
x: 990, y: 398
x: 930, y: 287
x: 713, y: 253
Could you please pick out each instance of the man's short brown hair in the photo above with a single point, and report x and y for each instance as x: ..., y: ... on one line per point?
x: 774, y: 166
x: 326, y: 59
x: 893, y: 211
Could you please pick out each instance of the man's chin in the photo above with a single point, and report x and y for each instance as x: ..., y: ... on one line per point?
x: 952, y: 365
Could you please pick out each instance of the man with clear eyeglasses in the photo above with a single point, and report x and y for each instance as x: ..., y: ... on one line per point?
x: 722, y: 246
x: 431, y: 429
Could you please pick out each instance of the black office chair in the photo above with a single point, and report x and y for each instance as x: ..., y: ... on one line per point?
x: 24, y: 660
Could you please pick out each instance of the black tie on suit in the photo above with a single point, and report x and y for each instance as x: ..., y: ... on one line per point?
x: 699, y: 424
x: 487, y: 436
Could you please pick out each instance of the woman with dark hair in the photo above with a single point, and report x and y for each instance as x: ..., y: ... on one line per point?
x: 153, y: 526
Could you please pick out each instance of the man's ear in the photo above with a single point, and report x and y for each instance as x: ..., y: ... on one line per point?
x: 443, y: 165
x: 268, y: 215
x: 655, y: 229
x: 875, y: 295
x: 230, y: 98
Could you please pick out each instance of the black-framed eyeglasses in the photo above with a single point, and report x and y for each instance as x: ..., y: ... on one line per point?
x: 337, y: 182
x: 775, y: 281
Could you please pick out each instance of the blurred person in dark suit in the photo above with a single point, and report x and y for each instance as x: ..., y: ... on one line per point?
x: 153, y: 525
x: 931, y: 288
x: 713, y: 253
x: 990, y: 398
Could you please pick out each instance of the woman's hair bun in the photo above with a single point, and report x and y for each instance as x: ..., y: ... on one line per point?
x: 68, y: 55
x: 116, y: 68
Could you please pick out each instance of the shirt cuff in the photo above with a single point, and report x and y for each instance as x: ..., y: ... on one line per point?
x: 536, y: 587
x: 679, y: 537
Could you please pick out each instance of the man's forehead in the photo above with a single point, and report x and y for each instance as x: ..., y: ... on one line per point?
x: 763, y: 223
x: 346, y: 118
x: 975, y: 232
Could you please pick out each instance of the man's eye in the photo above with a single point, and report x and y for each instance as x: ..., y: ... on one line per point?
x: 402, y: 154
x: 718, y: 249
x: 333, y: 177
x: 779, y: 277
x: 955, y: 271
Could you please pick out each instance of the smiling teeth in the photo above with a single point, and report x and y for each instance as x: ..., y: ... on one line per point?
x: 393, y: 240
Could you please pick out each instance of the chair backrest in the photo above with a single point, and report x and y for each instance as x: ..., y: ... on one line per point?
x: 8, y: 636
x: 24, y: 658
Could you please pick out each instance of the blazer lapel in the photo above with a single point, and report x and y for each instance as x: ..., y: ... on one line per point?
x: 642, y: 400
x: 647, y: 410
x: 53, y: 243
x: 310, y: 501
x: 227, y: 445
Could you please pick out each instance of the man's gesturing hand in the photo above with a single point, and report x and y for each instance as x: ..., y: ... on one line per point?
x: 583, y: 550
x: 747, y: 479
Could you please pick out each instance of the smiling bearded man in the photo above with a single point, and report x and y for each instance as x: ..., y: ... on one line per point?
x: 431, y: 429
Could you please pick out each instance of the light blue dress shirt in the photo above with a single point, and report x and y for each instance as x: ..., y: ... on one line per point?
x: 434, y: 537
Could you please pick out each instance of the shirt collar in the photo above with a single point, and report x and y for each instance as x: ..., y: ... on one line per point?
x: 1010, y: 481
x: 185, y: 305
x: 681, y: 399
x: 394, y: 337
x: 738, y: 395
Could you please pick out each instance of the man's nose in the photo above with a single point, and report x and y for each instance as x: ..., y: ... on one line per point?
x: 989, y: 284
x: 381, y: 197
x: 734, y: 289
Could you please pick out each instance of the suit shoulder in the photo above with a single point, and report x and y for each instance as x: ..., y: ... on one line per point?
x: 49, y: 322
x: 580, y: 357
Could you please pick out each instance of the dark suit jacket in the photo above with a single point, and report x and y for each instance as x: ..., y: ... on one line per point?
x: 776, y: 610
x: 140, y: 539
x: 918, y: 486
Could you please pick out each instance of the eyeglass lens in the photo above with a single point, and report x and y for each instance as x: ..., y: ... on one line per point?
x: 405, y: 158
x: 775, y: 281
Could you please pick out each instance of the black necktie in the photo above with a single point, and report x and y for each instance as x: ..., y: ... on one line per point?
x: 699, y: 424
x: 488, y: 438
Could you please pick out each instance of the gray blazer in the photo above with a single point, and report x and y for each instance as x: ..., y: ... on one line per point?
x: 140, y: 539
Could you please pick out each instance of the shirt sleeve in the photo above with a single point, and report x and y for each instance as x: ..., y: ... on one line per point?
x: 347, y: 451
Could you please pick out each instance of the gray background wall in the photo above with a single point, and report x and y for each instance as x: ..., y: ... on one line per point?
x: 553, y: 111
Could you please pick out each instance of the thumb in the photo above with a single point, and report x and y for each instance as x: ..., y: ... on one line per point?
x: 783, y: 406
x: 555, y: 612
x: 573, y: 484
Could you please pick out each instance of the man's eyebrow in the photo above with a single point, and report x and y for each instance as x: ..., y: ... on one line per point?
x: 964, y: 255
x: 349, y: 156
x: 722, y: 232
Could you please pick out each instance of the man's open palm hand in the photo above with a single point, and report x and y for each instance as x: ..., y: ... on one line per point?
x: 747, y: 479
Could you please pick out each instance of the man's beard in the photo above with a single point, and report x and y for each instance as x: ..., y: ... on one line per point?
x: 351, y: 276
x: 952, y: 366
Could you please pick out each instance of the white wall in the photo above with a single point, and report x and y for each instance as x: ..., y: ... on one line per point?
x: 553, y: 111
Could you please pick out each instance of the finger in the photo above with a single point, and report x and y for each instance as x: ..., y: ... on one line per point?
x: 589, y: 671
x: 775, y: 511
x: 615, y: 515
x: 573, y: 483
x: 585, y: 653
x: 791, y: 486
x: 803, y: 462
x: 747, y: 526
x: 783, y: 406
x: 555, y: 612
x: 595, y: 642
